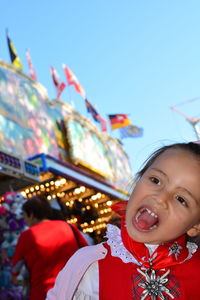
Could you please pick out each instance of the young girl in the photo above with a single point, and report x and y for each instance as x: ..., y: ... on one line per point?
x: 151, y: 257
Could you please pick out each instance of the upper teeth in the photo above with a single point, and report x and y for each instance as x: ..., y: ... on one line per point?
x: 149, y: 212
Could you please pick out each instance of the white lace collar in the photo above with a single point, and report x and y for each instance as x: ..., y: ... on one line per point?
x: 118, y: 249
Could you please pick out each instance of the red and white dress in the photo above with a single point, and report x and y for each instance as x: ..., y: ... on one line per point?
x: 122, y: 268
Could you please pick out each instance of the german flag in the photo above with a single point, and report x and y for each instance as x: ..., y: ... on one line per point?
x: 118, y: 121
x: 13, y: 54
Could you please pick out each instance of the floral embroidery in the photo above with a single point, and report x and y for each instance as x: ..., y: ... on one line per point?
x: 154, y: 286
x: 175, y: 249
x: 151, y: 284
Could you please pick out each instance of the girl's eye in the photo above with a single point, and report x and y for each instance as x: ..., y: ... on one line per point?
x: 155, y: 180
x: 181, y: 200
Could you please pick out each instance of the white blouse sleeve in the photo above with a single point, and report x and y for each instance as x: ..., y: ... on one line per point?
x: 88, y: 288
x: 80, y: 275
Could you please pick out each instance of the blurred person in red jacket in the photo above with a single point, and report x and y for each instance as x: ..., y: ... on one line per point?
x: 45, y: 247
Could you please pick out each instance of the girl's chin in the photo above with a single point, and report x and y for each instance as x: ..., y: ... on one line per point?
x: 143, y: 239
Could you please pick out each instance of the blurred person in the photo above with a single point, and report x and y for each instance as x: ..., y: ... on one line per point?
x: 45, y: 247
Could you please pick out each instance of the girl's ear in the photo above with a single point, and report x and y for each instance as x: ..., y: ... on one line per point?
x: 194, y: 231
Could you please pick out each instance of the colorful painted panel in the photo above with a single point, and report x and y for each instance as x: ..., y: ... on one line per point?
x: 123, y: 175
x: 87, y: 149
x: 26, y: 127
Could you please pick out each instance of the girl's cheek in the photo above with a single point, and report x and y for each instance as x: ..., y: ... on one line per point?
x: 129, y: 207
x: 130, y: 201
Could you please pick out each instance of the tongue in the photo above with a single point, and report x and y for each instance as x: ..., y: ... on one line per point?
x: 146, y: 221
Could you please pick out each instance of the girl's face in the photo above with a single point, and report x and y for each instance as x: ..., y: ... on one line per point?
x: 165, y: 202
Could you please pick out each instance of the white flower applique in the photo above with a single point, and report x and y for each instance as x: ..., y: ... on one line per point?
x: 175, y: 249
x: 154, y: 286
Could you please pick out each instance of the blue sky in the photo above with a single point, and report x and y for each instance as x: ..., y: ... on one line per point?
x: 135, y: 57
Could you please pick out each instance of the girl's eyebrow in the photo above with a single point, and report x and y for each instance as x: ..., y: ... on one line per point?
x: 160, y: 171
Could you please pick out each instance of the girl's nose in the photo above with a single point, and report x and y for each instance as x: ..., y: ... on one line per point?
x: 162, y: 198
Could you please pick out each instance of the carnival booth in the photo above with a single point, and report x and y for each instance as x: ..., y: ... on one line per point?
x: 46, y: 147
x: 58, y: 152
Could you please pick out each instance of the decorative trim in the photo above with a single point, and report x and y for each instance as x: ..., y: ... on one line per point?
x: 117, y: 247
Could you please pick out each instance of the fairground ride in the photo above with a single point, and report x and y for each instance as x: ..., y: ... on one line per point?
x: 191, y: 120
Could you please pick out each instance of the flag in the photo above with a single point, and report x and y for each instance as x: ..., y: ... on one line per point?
x: 103, y: 124
x: 13, y: 54
x: 30, y: 65
x: 118, y: 121
x: 72, y: 80
x: 96, y: 116
x: 131, y: 131
x: 92, y: 110
x: 58, y: 83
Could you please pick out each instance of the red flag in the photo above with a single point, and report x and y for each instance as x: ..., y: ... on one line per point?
x: 30, y: 65
x: 73, y: 80
x: 59, y: 84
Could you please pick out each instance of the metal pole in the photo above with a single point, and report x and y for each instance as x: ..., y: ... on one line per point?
x: 196, y: 129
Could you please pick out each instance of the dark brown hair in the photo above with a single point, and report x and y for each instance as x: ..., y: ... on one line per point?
x: 193, y: 148
x: 38, y: 206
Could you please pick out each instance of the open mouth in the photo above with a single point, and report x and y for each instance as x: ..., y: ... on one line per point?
x: 145, y: 219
